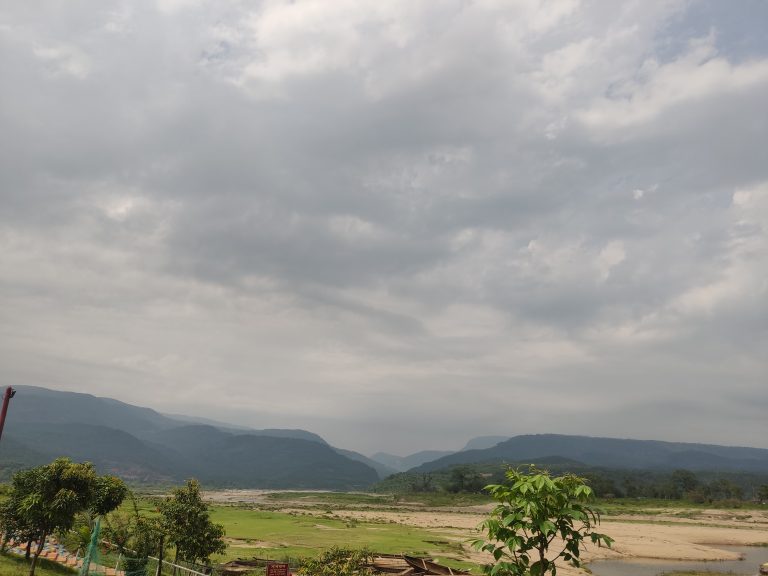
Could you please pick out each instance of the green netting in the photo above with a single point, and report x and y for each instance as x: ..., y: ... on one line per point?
x: 104, y: 559
x: 92, y: 554
x: 98, y: 562
x: 139, y: 566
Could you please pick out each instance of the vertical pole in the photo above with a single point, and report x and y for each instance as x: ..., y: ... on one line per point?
x: 159, y: 571
x: 9, y: 393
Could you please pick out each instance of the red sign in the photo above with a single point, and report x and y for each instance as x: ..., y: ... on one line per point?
x: 277, y: 569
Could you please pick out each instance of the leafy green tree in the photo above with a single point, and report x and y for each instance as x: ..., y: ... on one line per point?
x: 136, y: 537
x: 535, y: 512
x: 723, y: 489
x: 338, y: 562
x: 187, y: 525
x: 108, y: 493
x: 685, y: 481
x: 464, y: 479
x: 762, y: 493
x: 46, y: 499
x: 12, y: 519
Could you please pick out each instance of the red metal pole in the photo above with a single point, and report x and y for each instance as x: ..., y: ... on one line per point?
x: 9, y: 393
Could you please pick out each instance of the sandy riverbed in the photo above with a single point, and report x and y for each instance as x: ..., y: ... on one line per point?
x: 669, y: 535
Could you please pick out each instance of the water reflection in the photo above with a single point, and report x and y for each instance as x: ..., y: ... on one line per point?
x: 752, y: 557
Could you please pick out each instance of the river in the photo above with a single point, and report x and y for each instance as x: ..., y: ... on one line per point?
x: 752, y: 557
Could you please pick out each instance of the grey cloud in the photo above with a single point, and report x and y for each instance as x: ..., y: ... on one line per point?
x: 407, y: 201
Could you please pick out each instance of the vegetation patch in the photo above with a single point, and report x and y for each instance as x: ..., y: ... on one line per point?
x: 11, y: 565
x: 282, y: 535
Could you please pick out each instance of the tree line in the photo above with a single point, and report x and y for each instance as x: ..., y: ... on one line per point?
x: 65, y: 499
x: 698, y: 487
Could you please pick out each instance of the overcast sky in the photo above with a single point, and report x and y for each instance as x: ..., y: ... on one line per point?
x: 398, y: 224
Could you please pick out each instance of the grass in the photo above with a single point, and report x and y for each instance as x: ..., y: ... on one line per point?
x: 317, y: 522
x: 651, y: 507
x: 381, y: 500
x: 277, y: 535
x: 11, y: 565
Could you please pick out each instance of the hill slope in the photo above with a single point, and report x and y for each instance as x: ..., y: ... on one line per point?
x: 144, y: 446
x: 403, y: 463
x: 260, y: 461
x: 36, y: 404
x: 612, y: 453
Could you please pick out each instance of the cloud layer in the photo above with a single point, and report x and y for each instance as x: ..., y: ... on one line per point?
x: 398, y: 224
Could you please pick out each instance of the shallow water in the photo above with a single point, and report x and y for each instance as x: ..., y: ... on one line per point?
x: 752, y: 557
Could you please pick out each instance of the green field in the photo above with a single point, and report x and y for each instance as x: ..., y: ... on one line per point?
x: 277, y: 535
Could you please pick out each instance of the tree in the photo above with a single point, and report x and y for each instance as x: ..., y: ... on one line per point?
x: 762, y: 493
x: 47, y: 499
x: 14, y: 523
x: 685, y: 481
x: 136, y: 537
x: 536, y: 511
x: 723, y: 489
x: 464, y: 479
x: 187, y: 525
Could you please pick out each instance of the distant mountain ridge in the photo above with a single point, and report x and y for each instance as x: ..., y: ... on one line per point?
x: 37, y: 404
x: 403, y: 463
x: 612, y: 453
x: 144, y: 446
x: 227, y: 459
x: 483, y: 442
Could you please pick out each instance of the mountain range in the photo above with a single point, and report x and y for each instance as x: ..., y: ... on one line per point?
x: 611, y: 453
x: 145, y: 446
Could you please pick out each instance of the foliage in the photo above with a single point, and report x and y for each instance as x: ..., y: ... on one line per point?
x: 134, y: 535
x: 339, y: 562
x: 465, y: 479
x: 79, y: 536
x: 713, y: 488
x: 108, y: 493
x: 536, y: 511
x: 187, y: 525
x: 15, y: 524
x: 46, y: 499
x: 762, y: 493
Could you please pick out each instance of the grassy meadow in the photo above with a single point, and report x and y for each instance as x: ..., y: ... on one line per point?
x: 280, y: 535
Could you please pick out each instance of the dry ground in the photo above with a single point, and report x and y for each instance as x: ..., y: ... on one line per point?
x: 660, y: 534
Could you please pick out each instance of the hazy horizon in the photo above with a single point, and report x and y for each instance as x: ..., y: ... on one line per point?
x: 392, y: 223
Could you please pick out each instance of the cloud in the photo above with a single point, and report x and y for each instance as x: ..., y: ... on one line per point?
x: 657, y: 88
x: 312, y: 214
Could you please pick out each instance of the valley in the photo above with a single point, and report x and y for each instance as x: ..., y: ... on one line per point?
x: 269, y: 524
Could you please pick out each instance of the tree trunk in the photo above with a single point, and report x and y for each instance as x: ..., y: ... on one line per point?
x: 27, y: 552
x: 37, y: 554
x: 159, y: 571
x: 175, y: 560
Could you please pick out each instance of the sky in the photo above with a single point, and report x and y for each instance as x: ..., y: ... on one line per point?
x: 397, y: 224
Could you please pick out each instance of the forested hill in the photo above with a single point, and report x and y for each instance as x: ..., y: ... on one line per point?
x: 144, y: 446
x: 612, y: 453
